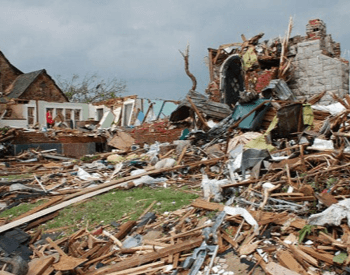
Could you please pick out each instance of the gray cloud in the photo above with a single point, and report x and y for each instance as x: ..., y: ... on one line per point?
x: 138, y: 41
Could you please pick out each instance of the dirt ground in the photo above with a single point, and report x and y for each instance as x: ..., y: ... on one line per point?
x: 234, y: 264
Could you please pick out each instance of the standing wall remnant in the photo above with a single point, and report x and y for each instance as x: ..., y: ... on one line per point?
x: 318, y: 66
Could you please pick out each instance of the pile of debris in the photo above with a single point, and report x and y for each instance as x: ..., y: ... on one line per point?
x: 272, y: 168
x: 270, y: 183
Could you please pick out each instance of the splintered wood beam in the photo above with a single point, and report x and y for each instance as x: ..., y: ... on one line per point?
x: 182, y: 154
x: 212, y: 206
x: 205, y: 125
x: 125, y: 229
x: 39, y: 265
x: 319, y: 255
x: 149, y: 109
x: 149, y: 257
x: 287, y: 259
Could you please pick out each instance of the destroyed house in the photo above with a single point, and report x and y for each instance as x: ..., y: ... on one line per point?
x: 308, y: 64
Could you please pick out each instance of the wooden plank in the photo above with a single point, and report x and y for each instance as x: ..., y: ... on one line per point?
x: 182, y: 153
x: 287, y: 260
x: 322, y: 256
x: 139, y: 260
x: 124, y: 229
x: 205, y: 125
x: 212, y: 206
x: 301, y: 254
x: 40, y: 207
x: 276, y: 269
x: 41, y: 220
x: 142, y: 268
x: 39, y: 265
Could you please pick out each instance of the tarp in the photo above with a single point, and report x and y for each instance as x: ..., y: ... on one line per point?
x: 253, y: 121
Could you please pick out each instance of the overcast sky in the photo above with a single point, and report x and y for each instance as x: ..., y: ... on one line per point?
x: 138, y: 41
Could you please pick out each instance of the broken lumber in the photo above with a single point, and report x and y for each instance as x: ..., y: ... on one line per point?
x: 137, y: 261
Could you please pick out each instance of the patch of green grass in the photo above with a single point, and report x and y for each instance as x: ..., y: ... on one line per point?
x: 90, y: 158
x: 20, y: 209
x: 17, y: 177
x: 116, y: 204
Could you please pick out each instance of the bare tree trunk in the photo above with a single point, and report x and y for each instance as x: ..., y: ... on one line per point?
x: 185, y: 56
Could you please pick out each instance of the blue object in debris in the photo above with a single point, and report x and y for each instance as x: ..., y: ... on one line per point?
x: 184, y: 134
x: 253, y: 121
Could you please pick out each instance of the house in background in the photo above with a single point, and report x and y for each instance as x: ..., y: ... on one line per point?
x: 25, y: 99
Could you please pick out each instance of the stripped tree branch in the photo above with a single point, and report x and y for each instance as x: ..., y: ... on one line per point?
x: 185, y: 56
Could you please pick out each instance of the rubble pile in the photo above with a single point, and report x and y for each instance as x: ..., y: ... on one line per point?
x: 261, y: 188
x: 270, y: 170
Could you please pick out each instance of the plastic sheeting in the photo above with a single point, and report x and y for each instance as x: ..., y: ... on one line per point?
x: 322, y: 144
x: 333, y: 215
x: 233, y: 211
x: 334, y: 109
x: 213, y: 188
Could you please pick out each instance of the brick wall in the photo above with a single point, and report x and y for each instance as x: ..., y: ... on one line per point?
x: 8, y: 73
x: 43, y: 88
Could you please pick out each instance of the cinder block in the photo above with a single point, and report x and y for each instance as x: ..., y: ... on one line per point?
x: 295, y: 63
x: 327, y: 97
x: 311, y: 72
x: 316, y: 89
x: 314, y: 61
x: 321, y: 80
x: 308, y: 52
x: 328, y: 68
x: 301, y: 74
x: 317, y: 69
x: 336, y: 83
x: 328, y: 61
x: 302, y: 61
x: 292, y: 50
x: 345, y: 66
x: 300, y: 50
x: 303, y: 82
x: 317, y: 53
x: 333, y: 73
x: 299, y: 57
